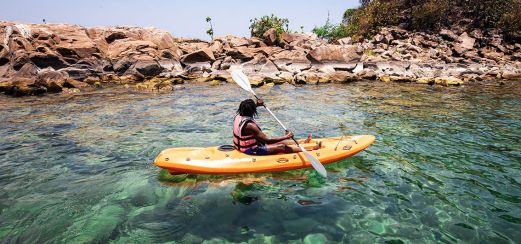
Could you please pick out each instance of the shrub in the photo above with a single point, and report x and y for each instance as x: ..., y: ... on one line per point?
x: 510, y: 22
x: 429, y: 15
x: 259, y: 26
x: 367, y: 21
x: 330, y: 31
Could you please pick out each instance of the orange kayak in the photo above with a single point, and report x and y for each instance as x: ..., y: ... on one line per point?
x: 226, y: 160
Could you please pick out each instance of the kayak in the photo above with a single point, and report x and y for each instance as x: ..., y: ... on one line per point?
x: 226, y: 160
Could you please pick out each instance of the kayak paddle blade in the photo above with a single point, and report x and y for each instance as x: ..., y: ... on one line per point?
x: 315, y: 163
x: 241, y: 80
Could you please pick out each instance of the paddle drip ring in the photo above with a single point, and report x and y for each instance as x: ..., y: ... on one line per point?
x: 226, y: 148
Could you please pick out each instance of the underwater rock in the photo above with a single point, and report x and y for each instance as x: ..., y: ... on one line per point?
x: 315, y: 239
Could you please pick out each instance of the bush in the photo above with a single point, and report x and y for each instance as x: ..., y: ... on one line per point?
x: 367, y: 21
x: 429, y: 15
x: 259, y: 26
x: 330, y: 31
x: 510, y: 22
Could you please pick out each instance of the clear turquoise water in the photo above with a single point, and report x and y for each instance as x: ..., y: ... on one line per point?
x: 446, y: 167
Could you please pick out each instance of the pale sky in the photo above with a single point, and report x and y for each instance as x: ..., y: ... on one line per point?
x: 181, y: 18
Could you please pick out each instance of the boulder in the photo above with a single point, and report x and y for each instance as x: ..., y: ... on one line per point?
x: 511, y: 75
x: 367, y: 74
x: 48, y: 60
x: 341, y: 76
x: 243, y: 53
x: 464, y: 43
x: 122, y: 65
x: 334, y: 53
x: 118, y: 35
x: 448, y: 81
x: 425, y: 80
x: 203, y: 55
x: 270, y: 37
x: 19, y: 59
x: 344, y: 41
x: 29, y: 70
x: 448, y: 35
x: 148, y: 68
x: 51, y: 80
x: 20, y: 86
x: 80, y: 74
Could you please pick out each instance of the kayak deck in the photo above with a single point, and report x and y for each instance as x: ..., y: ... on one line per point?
x: 211, y: 160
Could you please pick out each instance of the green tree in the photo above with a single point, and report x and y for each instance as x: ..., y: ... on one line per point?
x: 330, y: 31
x: 259, y: 26
x: 210, y: 31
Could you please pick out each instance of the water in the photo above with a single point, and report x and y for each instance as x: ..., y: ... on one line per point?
x: 446, y: 167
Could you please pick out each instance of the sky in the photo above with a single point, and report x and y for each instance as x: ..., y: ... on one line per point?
x: 181, y: 18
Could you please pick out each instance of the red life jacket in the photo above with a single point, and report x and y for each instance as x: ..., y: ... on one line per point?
x: 240, y: 142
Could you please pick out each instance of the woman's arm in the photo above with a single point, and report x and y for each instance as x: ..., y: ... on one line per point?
x: 261, y: 136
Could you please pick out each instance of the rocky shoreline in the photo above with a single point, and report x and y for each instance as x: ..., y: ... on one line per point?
x: 50, y: 58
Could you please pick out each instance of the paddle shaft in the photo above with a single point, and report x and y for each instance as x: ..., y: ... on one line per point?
x: 277, y: 119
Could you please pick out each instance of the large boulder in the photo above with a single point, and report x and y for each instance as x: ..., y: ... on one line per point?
x: 44, y: 60
x: 464, y: 43
x: 335, y: 54
x: 203, y: 55
x: 270, y: 37
x: 122, y: 65
x: 27, y: 71
x: 148, y: 68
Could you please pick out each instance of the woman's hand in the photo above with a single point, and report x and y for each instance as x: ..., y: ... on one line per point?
x: 260, y: 102
x: 289, y: 134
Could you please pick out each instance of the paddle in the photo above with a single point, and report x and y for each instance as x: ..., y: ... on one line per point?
x: 240, y: 78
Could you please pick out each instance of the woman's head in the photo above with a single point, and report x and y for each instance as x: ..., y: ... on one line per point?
x: 248, y: 108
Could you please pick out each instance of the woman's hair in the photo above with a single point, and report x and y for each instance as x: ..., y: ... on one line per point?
x: 248, y: 108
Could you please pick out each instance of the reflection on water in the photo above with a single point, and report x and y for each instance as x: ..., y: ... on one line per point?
x: 445, y: 167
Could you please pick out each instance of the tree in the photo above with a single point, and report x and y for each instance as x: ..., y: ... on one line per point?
x: 259, y: 26
x: 210, y: 31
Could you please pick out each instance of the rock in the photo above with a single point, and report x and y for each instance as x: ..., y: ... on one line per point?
x: 70, y: 90
x: 465, y: 43
x: 216, y: 48
x: 148, y: 68
x: 234, y: 41
x: 425, y: 80
x: 20, y: 58
x: 123, y: 65
x: 80, y: 74
x: 511, y: 75
x: 19, y: 86
x: 318, y: 238
x: 203, y: 55
x: 448, y: 81
x: 270, y: 37
x: 118, y: 35
x: 334, y: 53
x: 448, y: 35
x: 214, y: 82
x: 344, y: 41
x: 51, y: 80
x: 384, y: 78
x: 367, y: 74
x: 29, y: 70
x: 341, y: 76
x: 48, y: 60
x: 378, y: 38
x: 243, y: 53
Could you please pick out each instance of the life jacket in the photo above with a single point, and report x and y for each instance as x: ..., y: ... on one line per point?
x: 240, y: 142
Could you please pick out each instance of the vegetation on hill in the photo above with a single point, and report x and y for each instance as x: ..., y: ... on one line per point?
x: 427, y: 16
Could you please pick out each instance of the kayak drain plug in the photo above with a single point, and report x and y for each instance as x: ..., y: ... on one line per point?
x: 167, y: 158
